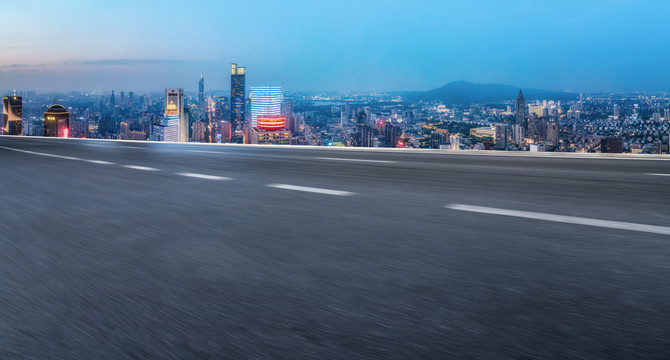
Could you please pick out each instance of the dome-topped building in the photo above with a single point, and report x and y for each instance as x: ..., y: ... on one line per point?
x: 57, y: 121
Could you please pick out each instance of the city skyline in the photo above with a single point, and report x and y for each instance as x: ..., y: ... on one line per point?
x: 390, y: 46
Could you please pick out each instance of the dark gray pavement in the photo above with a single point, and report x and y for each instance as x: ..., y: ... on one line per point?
x: 102, y: 261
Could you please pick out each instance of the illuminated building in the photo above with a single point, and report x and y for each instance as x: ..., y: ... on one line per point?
x: 265, y: 101
x: 223, y: 109
x: 404, y: 141
x: 521, y: 117
x: 57, y: 122
x: 481, y: 132
x: 124, y: 132
x: 166, y: 129
x: 538, y: 110
x: 199, y: 131
x: 174, y: 106
x: 270, y: 130
x: 237, y: 94
x: 137, y: 135
x: 12, y: 107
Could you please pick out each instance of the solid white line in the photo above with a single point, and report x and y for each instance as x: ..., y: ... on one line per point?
x: 41, y: 154
x: 203, y: 176
x: 563, y: 219
x: 658, y: 174
x: 143, y: 168
x: 359, y: 160
x: 311, y: 189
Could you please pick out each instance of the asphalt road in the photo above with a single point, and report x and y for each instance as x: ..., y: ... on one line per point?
x: 116, y: 250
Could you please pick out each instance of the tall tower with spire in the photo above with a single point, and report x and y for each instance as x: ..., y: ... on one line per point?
x: 521, y: 116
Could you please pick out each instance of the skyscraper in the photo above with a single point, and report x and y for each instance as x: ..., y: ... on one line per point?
x: 237, y: 94
x: 174, y: 106
x: 12, y: 107
x: 265, y: 101
x: 521, y: 116
x: 57, y: 121
x: 201, y: 92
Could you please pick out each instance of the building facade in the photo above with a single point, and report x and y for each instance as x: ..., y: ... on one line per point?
x: 265, y: 101
x: 237, y: 98
x: 57, y: 121
x: 174, y: 106
x: 521, y: 116
x: 12, y: 107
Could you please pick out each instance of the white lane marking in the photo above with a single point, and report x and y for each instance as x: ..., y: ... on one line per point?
x: 129, y: 147
x: 359, y: 160
x: 563, y: 219
x: 101, y: 162
x: 203, y: 176
x: 143, y: 168
x: 311, y: 189
x: 658, y: 174
x: 41, y: 154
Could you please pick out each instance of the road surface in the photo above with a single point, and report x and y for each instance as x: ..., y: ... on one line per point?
x: 123, y: 250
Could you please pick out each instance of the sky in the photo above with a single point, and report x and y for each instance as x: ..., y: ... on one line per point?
x: 343, y: 45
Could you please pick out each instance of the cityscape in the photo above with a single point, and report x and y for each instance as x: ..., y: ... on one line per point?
x: 637, y: 123
x: 334, y: 180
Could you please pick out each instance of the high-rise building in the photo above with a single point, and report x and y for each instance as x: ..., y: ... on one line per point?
x: 201, y: 92
x: 521, y: 116
x: 454, y: 142
x: 199, y: 128
x: 265, y: 101
x: 124, y: 131
x: 112, y: 101
x: 534, y: 125
x: 222, y: 109
x: 502, y: 136
x: 518, y: 135
x: 12, y: 107
x: 237, y: 97
x: 57, y: 121
x: 666, y: 115
x: 552, y: 133
x: 174, y: 106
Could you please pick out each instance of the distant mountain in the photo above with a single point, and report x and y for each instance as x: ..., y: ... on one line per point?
x: 464, y: 92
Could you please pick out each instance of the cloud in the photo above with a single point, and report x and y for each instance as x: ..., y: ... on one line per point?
x: 133, y: 62
x: 20, y: 66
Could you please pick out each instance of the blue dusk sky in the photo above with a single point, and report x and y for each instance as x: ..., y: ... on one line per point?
x: 308, y: 45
